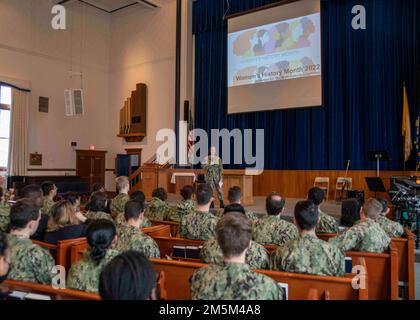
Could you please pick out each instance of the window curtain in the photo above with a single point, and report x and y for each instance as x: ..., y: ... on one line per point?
x: 18, y: 144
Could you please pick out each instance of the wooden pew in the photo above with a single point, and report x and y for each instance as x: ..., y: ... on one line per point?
x: 77, y: 254
x: 77, y: 250
x: 405, y: 253
x: 382, y: 269
x: 47, y: 290
x: 301, y: 286
x: 405, y: 248
x: 61, y: 251
x: 383, y: 272
x: 157, y: 231
x: 326, y: 236
x: 166, y: 244
x: 172, y: 224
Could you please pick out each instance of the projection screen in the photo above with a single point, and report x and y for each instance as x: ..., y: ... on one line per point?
x: 274, y: 58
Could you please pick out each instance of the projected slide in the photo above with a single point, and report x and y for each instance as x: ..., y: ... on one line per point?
x: 288, y: 49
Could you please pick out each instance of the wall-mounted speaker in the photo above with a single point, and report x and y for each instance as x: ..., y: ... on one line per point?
x: 74, y: 102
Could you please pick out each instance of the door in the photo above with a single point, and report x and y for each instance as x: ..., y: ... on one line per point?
x: 98, y: 169
x: 84, y: 169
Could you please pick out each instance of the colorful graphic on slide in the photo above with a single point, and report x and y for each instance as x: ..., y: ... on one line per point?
x: 284, y: 50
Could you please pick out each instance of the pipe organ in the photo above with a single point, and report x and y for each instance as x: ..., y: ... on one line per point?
x: 133, y: 115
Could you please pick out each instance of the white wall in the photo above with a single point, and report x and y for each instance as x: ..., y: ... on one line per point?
x: 114, y: 52
x: 32, y: 51
x: 143, y: 50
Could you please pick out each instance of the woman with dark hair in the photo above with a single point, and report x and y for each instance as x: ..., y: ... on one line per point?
x: 350, y: 212
x: 64, y: 223
x: 129, y: 276
x: 97, y: 206
x: 84, y: 274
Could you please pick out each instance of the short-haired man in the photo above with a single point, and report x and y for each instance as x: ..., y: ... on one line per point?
x: 233, y: 279
x: 34, y: 192
x: 118, y: 203
x: 235, y: 197
x: 138, y: 196
x: 256, y: 257
x: 308, y: 254
x: 130, y: 237
x: 157, y: 207
x: 49, y: 190
x: 271, y: 229
x: 365, y: 235
x: 29, y: 262
x: 326, y: 224
x: 201, y: 224
x: 392, y: 228
x: 186, y: 206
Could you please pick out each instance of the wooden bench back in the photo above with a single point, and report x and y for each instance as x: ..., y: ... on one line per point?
x: 166, y: 244
x: 172, y: 224
x: 405, y: 248
x: 61, y: 251
x: 157, y: 231
x: 54, y: 294
x: 301, y: 287
x: 405, y: 257
x: 77, y: 251
x: 383, y: 273
x: 311, y: 287
x: 326, y: 236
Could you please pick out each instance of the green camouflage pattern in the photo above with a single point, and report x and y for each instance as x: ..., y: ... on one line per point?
x: 117, y: 205
x: 392, y: 228
x: 96, y: 215
x: 47, y: 205
x: 120, y: 219
x: 157, y: 209
x: 251, y: 216
x: 131, y: 238
x: 29, y: 262
x: 84, y: 274
x: 256, y: 257
x: 182, y: 209
x: 273, y: 230
x: 232, y: 281
x: 366, y: 236
x: 198, y: 226
x: 4, y: 217
x: 326, y: 224
x: 309, y: 255
x: 214, y: 174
